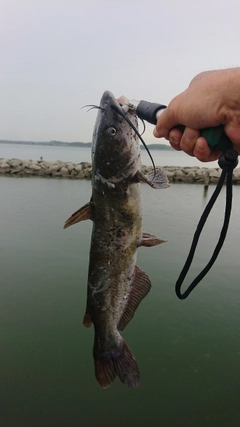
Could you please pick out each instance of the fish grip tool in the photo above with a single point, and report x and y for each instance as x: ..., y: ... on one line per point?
x: 217, y: 140
x: 150, y: 111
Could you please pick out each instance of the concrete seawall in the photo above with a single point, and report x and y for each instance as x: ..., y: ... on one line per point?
x: 59, y: 169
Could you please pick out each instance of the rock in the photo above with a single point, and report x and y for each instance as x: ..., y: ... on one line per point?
x: 169, y: 174
x: 70, y: 166
x: 87, y: 174
x: 64, y: 171
x: 26, y: 163
x: 46, y: 172
x: 16, y: 169
x: 214, y: 173
x: 57, y: 173
x: 43, y: 165
x: 4, y: 166
x: 190, y: 176
x: 15, y: 162
x: 3, y: 171
x: 179, y: 175
x: 80, y: 175
x: 60, y: 163
x: 4, y: 161
x: 236, y: 176
x: 85, y: 164
x: 78, y: 168
x: 236, y: 173
x: 55, y: 168
x: 35, y: 167
x: 200, y: 179
x: 200, y: 172
x: 73, y: 173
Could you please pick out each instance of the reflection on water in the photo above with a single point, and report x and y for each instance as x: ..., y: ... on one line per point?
x: 188, y: 351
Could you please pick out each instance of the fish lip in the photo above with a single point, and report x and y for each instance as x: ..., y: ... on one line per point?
x: 108, y: 100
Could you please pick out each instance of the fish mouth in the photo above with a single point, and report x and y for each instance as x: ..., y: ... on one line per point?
x: 109, y: 100
x: 119, y: 105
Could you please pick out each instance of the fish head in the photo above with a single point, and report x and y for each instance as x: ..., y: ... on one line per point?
x: 115, y: 147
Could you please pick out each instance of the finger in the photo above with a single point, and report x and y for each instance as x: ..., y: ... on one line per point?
x: 188, y: 140
x: 203, y: 152
x: 165, y: 123
x: 175, y: 136
x: 122, y: 100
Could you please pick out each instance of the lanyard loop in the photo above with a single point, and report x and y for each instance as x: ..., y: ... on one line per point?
x: 228, y: 161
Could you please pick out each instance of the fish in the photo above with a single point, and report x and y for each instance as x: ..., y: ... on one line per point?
x: 116, y: 286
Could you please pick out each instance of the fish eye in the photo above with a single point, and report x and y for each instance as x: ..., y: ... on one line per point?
x: 111, y: 131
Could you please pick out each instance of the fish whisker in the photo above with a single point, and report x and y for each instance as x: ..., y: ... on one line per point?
x: 144, y: 126
x: 119, y: 111
x: 93, y: 107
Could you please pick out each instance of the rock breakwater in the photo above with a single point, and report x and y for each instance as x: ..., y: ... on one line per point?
x: 83, y: 170
x: 58, y: 168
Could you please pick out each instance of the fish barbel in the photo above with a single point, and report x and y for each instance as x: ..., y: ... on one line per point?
x: 116, y: 286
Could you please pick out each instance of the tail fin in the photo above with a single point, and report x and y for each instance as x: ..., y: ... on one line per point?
x: 119, y: 362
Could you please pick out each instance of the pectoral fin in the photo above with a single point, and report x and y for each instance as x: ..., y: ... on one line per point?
x: 140, y: 287
x: 99, y: 177
x: 85, y: 212
x: 158, y: 180
x: 149, y: 240
x: 87, y: 320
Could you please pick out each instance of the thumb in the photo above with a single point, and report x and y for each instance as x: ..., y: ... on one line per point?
x: 165, y: 123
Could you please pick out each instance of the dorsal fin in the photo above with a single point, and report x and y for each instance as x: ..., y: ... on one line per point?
x: 140, y: 287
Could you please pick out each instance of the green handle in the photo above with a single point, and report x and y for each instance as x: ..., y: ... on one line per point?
x: 216, y: 138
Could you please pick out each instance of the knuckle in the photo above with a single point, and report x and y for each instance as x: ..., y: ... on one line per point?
x: 187, y: 146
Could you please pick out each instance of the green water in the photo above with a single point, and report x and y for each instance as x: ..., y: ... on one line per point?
x: 188, y: 351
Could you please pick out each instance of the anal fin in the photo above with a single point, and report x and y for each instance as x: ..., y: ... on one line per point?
x: 85, y: 212
x: 157, y: 180
x: 149, y: 240
x: 140, y: 286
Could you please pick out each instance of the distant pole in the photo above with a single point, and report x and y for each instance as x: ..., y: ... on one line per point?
x: 206, y: 182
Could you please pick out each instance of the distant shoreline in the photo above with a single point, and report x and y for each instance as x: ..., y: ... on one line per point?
x: 78, y: 144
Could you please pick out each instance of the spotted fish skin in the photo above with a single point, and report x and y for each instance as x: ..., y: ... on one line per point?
x: 116, y: 286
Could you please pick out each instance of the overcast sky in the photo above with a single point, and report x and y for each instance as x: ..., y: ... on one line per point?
x: 58, y: 55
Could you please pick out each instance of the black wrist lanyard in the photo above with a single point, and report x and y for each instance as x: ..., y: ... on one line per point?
x: 227, y: 162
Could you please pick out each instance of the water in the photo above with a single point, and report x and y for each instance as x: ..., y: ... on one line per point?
x: 82, y: 154
x: 188, y: 351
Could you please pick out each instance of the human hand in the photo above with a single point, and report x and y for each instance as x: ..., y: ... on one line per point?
x: 212, y: 98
